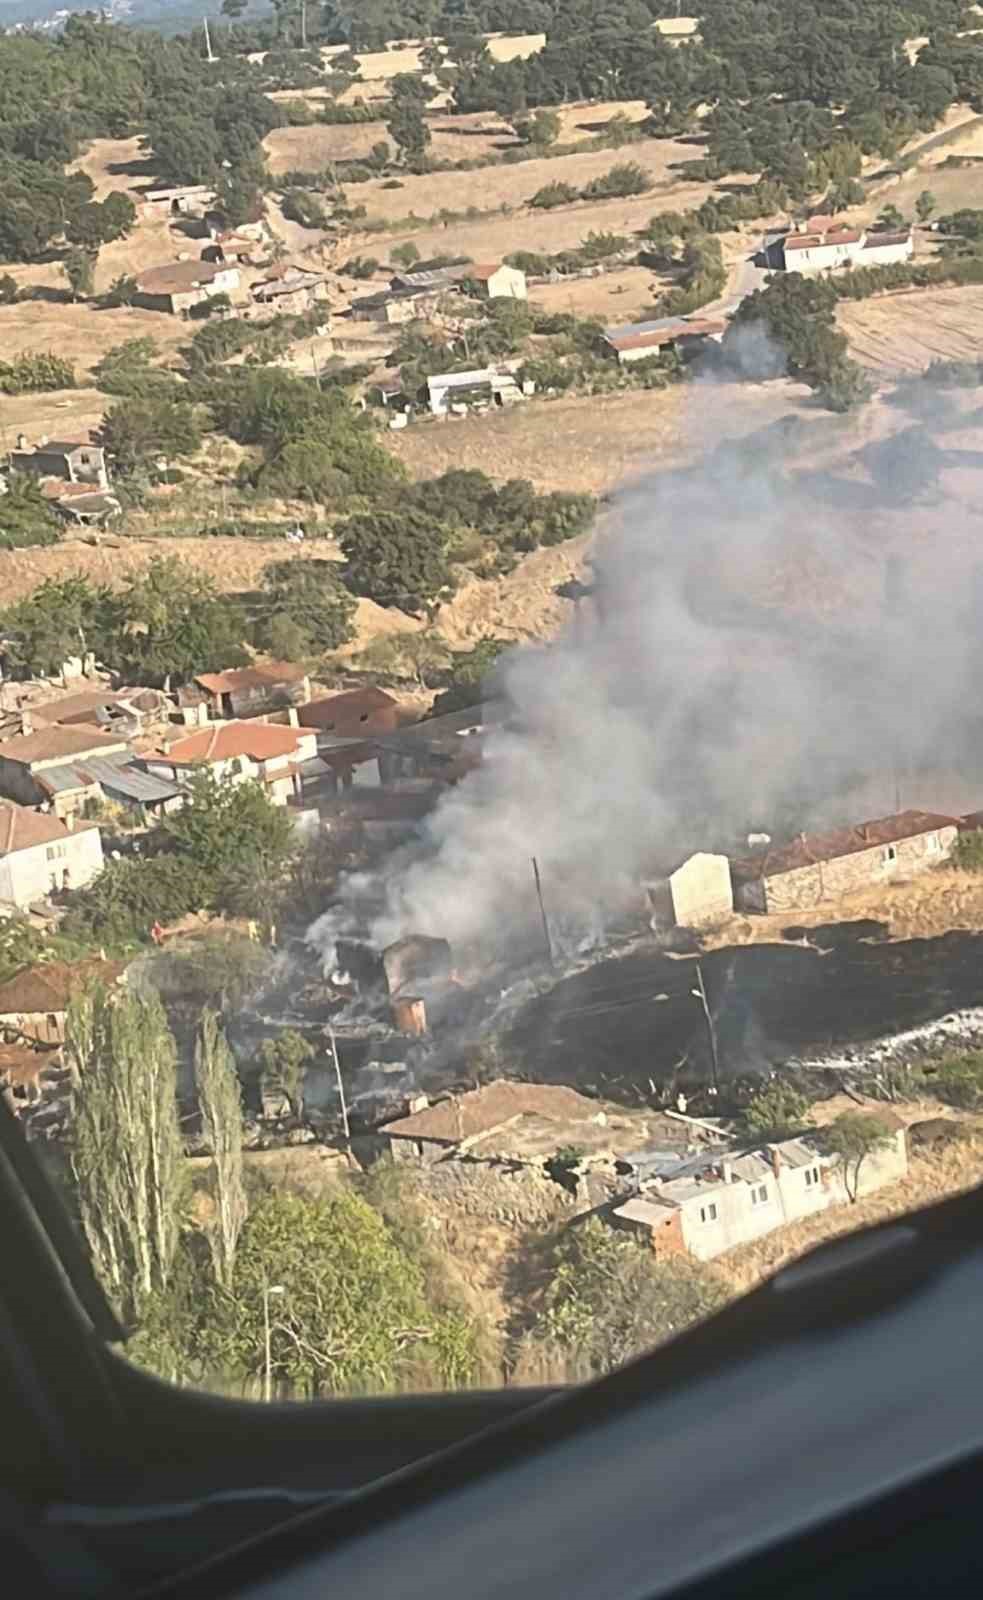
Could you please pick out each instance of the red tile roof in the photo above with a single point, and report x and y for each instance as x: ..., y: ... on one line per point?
x: 484, y: 270
x: 263, y: 674
x: 467, y: 1115
x: 178, y: 276
x: 261, y: 741
x: 21, y: 828
x: 50, y: 985
x: 810, y: 848
x: 59, y: 744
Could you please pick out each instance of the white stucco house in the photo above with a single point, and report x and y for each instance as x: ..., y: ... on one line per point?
x: 267, y: 753
x: 40, y: 854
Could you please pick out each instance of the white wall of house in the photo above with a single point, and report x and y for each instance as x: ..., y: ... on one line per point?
x: 29, y: 875
x: 507, y: 283
x: 885, y: 255
x: 701, y: 891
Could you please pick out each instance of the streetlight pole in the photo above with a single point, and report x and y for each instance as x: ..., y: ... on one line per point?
x: 268, y: 1289
x: 341, y: 1087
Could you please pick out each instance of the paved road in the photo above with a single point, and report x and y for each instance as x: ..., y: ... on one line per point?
x: 746, y: 277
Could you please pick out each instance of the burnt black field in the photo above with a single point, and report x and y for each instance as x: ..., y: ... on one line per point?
x: 633, y: 1018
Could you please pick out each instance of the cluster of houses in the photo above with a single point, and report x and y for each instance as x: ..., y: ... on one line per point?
x: 691, y: 1188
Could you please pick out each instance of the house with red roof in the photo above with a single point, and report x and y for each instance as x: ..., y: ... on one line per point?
x: 40, y: 854
x: 279, y: 758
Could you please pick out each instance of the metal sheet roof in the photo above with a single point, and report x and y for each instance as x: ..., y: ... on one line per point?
x: 131, y: 781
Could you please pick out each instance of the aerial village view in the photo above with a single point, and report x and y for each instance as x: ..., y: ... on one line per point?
x: 491, y: 769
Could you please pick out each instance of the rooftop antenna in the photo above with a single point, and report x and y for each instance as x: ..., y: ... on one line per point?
x: 208, y: 43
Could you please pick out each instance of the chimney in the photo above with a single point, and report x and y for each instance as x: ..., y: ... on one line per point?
x: 22, y: 441
x: 726, y: 1171
x: 776, y: 1159
x: 419, y: 1102
x: 42, y: 440
x: 293, y: 721
x: 70, y: 822
x: 26, y: 723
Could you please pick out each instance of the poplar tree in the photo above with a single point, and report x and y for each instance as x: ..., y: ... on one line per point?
x: 127, y: 1151
x: 220, y: 1103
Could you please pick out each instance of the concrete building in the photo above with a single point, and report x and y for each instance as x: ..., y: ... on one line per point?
x: 351, y: 714
x: 699, y: 894
x: 47, y: 767
x: 250, y: 691
x: 34, y: 1001
x: 497, y: 282
x: 442, y: 748
x: 639, y: 341
x: 180, y: 285
x: 706, y: 1204
x: 40, y: 854
x: 823, y: 866
x: 826, y: 248
x: 80, y: 505
x: 395, y: 306
x: 274, y: 756
x: 69, y: 461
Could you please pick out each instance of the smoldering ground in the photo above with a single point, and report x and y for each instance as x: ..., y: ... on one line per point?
x: 781, y: 631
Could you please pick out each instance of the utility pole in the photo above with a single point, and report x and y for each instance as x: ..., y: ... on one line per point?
x: 208, y: 43
x: 303, y: 24
x: 341, y: 1087
x: 701, y: 995
x: 268, y: 1289
x: 542, y: 912
x: 317, y: 370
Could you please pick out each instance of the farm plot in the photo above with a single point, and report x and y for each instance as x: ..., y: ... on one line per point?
x: 309, y: 149
x: 893, y: 334
x: 505, y: 184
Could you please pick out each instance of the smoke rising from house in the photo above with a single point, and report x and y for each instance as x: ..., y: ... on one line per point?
x: 781, y: 635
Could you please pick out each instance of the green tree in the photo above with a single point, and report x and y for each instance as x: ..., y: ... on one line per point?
x: 623, y: 179
x: 353, y: 1314
x: 121, y: 905
x: 852, y: 1137
x: 468, y: 676
x: 775, y: 1111
x: 168, y: 623
x: 541, y: 129
x: 890, y: 217
x: 220, y: 1104
x: 26, y: 517
x: 240, y: 842
x: 145, y: 430
x: 126, y: 1145
x: 404, y: 255
x: 609, y: 1300
x: 283, y: 1064
x: 925, y: 205
x: 79, y: 268
x: 407, y: 126
x: 397, y: 558
x: 310, y: 596
x: 119, y: 215
x: 58, y: 619
x: 8, y: 289
x: 121, y: 292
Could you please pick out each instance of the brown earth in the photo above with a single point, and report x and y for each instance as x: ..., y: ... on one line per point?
x: 898, y: 333
x: 453, y: 138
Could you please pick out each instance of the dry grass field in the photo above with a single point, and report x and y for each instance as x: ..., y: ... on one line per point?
x: 514, y: 185
x: 621, y: 296
x: 309, y: 149
x: 897, y: 333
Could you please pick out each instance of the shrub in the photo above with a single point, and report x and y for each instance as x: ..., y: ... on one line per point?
x: 300, y: 206
x: 626, y: 178
x: 554, y: 194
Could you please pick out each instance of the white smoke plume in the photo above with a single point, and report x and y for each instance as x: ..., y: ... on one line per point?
x: 782, y: 635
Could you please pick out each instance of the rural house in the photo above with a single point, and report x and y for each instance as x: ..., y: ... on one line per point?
x: 279, y: 758
x: 705, y: 1204
x: 352, y: 713
x: 34, y: 1001
x: 395, y: 305
x: 290, y: 289
x: 453, y: 1126
x: 638, y: 341
x: 236, y: 248
x: 822, y: 866
x: 48, y: 766
x: 699, y: 894
x: 250, y: 691
x: 443, y: 748
x: 497, y: 282
x: 40, y: 854
x: 184, y: 200
x: 70, y: 461
x: 455, y: 391
x: 78, y: 503
x: 823, y: 245
x: 180, y: 285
